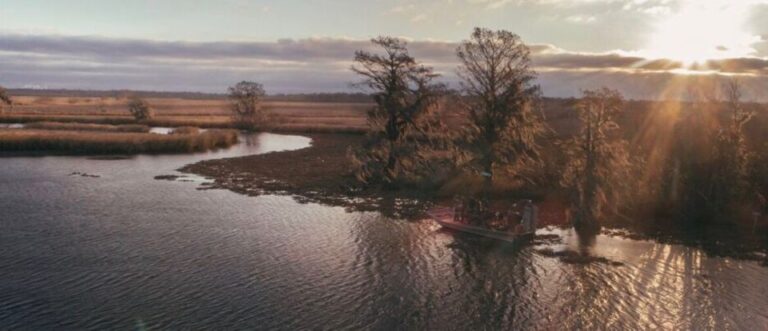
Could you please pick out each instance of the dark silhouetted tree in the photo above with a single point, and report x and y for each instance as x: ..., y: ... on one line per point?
x: 501, y: 100
x: 245, y: 103
x: 139, y: 108
x: 403, y: 126
x: 710, y: 162
x: 598, y: 162
x: 759, y: 175
x: 732, y: 156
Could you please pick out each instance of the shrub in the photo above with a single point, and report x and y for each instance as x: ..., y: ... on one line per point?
x: 245, y: 102
x: 5, y: 99
x: 140, y: 109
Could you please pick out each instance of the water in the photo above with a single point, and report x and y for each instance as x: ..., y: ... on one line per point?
x: 123, y: 251
x: 161, y: 130
x: 156, y: 129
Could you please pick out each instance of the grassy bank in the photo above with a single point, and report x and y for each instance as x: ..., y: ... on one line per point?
x: 60, y: 126
x: 210, y: 122
x: 305, y: 117
x: 93, y: 142
x: 168, y: 121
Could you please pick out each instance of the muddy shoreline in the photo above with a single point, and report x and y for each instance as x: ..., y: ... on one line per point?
x: 319, y: 173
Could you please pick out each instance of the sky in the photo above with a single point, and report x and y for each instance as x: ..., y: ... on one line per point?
x: 644, y: 48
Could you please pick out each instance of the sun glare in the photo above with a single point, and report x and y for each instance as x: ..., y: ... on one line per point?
x: 702, y: 30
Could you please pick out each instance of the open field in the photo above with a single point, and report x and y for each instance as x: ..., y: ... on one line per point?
x: 95, y: 142
x: 311, y: 117
x: 205, y: 113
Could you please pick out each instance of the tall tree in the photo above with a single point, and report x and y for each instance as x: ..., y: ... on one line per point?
x: 732, y: 157
x: 498, y: 87
x: 598, y: 160
x: 403, y: 126
x: 5, y: 98
x: 710, y: 161
x: 245, y: 103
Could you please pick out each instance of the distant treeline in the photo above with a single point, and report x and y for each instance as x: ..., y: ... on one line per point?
x: 113, y: 94
x: 322, y: 97
x: 307, y: 97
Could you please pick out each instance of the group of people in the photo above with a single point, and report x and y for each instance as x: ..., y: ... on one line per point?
x: 519, y: 218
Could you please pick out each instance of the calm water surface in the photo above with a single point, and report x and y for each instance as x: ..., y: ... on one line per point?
x: 125, y: 251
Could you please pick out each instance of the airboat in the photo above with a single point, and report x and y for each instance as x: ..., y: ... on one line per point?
x: 446, y: 217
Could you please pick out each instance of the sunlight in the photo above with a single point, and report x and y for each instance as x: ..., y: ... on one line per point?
x: 702, y: 30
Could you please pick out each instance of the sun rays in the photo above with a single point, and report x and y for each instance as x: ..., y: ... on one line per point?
x: 701, y: 31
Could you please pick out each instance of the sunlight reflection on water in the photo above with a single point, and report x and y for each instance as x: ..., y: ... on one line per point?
x: 104, y: 253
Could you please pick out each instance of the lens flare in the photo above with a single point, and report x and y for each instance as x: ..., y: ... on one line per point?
x: 703, y: 30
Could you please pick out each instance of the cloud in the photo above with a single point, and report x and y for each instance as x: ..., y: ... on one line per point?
x: 419, y: 18
x: 581, y: 19
x: 296, y: 65
x: 402, y: 8
x: 491, y: 4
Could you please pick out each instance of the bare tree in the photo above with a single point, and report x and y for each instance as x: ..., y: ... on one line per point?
x: 498, y: 86
x: 139, y: 108
x: 403, y: 125
x: 598, y: 160
x: 245, y: 102
x: 5, y: 99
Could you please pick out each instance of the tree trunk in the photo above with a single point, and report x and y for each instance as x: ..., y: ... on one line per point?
x: 392, y: 135
x: 391, y: 167
x: 487, y: 166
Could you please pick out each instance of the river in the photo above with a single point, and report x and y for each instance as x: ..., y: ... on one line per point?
x: 100, y: 244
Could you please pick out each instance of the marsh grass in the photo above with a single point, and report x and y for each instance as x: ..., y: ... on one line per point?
x: 186, y: 130
x: 138, y: 128
x: 93, y: 142
x: 167, y: 121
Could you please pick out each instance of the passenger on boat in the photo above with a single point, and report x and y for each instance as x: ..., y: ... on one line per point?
x: 530, y: 216
x: 476, y: 212
x: 459, y: 212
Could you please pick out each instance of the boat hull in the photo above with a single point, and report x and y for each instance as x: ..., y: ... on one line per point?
x: 445, y: 219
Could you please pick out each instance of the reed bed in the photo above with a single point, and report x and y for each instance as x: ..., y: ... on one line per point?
x: 186, y: 130
x: 292, y: 128
x: 167, y: 121
x: 92, y: 142
x: 138, y: 128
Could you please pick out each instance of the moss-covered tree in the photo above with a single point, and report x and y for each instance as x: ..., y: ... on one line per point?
x: 599, y: 165
x: 403, y: 126
x: 497, y: 83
